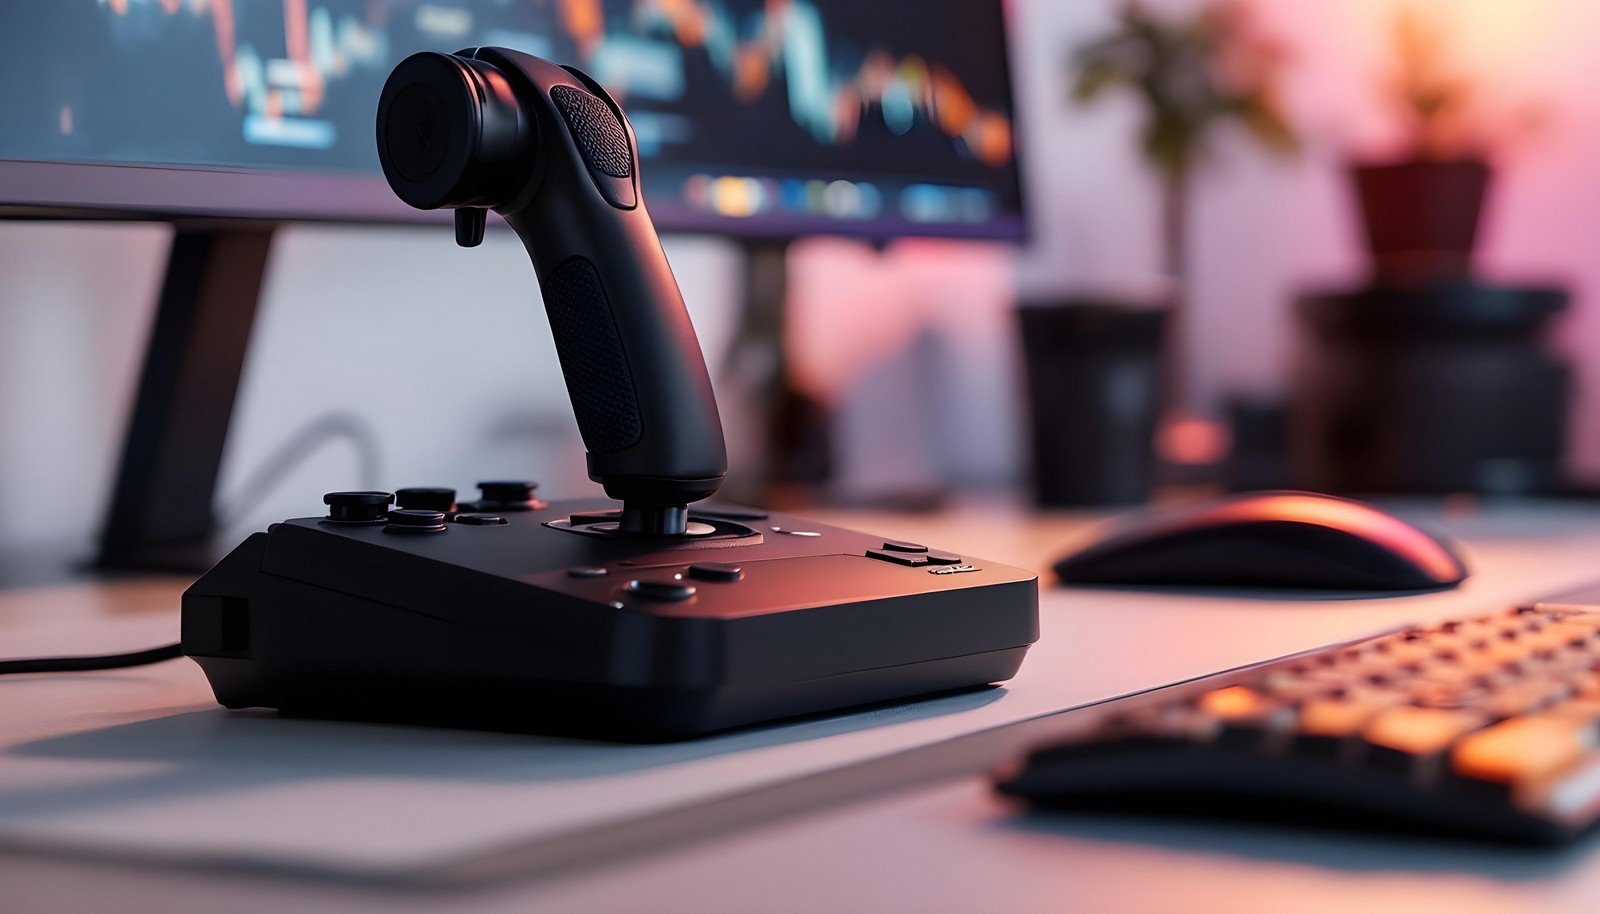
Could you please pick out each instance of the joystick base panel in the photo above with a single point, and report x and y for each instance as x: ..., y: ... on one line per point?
x: 526, y: 627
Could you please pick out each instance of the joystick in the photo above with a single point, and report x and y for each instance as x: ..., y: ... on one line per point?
x: 549, y: 150
x: 656, y: 618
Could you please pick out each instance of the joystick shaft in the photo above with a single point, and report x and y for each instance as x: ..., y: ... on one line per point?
x: 653, y: 520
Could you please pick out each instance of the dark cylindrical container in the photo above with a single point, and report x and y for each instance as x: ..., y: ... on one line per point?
x: 1259, y: 459
x: 1094, y: 387
x: 1444, y: 388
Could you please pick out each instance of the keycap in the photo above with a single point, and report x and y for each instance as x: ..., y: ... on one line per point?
x: 1525, y: 750
x: 1247, y: 717
x: 1328, y: 727
x: 1412, y: 741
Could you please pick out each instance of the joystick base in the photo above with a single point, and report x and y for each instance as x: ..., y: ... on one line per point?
x: 521, y: 626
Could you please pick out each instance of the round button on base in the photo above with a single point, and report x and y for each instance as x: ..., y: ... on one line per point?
x: 665, y: 591
x: 508, y: 495
x: 415, y: 520
x: 716, y: 571
x: 357, y: 507
x: 429, y: 498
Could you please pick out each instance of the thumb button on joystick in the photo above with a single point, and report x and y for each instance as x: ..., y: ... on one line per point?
x: 470, y: 224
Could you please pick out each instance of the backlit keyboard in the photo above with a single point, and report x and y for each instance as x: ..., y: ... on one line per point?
x: 1488, y: 725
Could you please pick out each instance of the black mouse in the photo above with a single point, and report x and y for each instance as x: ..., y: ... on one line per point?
x: 1269, y: 539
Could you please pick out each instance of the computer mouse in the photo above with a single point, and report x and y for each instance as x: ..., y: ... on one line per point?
x: 1269, y: 539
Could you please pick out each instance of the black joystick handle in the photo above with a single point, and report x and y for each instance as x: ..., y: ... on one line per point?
x: 549, y: 150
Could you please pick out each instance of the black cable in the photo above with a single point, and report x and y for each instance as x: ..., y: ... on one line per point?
x: 93, y: 662
x: 288, y: 456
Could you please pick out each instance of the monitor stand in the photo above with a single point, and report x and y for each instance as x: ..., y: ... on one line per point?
x: 792, y: 451
x: 161, y: 511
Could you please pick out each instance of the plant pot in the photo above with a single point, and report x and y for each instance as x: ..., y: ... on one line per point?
x: 1094, y: 387
x: 1421, y: 217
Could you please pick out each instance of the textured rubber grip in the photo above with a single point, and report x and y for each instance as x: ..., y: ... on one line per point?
x: 599, y: 135
x: 634, y: 370
x: 599, y: 380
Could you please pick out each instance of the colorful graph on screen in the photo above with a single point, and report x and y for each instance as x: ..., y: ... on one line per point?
x: 749, y: 105
x: 279, y: 96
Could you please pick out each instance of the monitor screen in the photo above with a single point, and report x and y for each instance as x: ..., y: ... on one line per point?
x: 776, y: 117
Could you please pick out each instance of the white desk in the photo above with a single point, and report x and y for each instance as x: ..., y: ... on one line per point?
x: 946, y: 846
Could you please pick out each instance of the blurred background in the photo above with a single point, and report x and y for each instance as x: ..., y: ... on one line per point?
x: 930, y: 369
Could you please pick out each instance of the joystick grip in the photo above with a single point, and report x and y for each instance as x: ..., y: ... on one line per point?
x: 547, y: 148
x: 599, y: 378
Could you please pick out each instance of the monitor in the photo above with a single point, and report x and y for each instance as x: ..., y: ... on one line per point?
x: 773, y: 118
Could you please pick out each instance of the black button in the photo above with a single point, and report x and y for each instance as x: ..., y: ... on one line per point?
x: 357, y: 507
x: 667, y: 591
x: 414, y: 520
x: 587, y: 571
x: 716, y: 571
x: 506, y: 495
x: 507, y: 490
x: 428, y: 499
x: 903, y: 546
x: 942, y: 558
x: 480, y: 520
x: 910, y: 559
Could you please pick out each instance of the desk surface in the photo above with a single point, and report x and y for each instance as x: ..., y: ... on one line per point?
x: 947, y: 846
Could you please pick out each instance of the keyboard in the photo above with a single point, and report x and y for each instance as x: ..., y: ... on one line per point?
x: 1487, y: 727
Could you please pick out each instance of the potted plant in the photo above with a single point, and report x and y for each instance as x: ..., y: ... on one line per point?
x: 1420, y: 209
x: 1194, y: 76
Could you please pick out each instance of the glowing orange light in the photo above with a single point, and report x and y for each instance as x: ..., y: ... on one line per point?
x: 585, y: 21
x: 953, y: 107
x: 1193, y: 441
x: 1231, y: 702
x: 1419, y: 731
x: 735, y: 196
x: 750, y: 74
x: 992, y: 143
x: 1328, y: 717
x: 1524, y: 748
